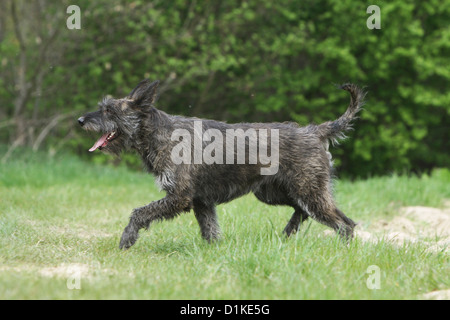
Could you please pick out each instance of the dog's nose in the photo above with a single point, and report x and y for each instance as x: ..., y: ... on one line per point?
x: 81, y: 121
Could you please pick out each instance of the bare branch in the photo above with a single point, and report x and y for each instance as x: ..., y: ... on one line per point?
x: 53, y: 123
x: 17, y: 30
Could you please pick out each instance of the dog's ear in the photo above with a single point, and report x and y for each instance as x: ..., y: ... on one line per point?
x: 145, y: 92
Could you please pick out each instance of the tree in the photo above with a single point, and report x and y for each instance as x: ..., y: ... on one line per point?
x: 237, y: 61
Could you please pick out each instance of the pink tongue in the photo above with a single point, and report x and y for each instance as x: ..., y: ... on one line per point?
x: 99, y: 142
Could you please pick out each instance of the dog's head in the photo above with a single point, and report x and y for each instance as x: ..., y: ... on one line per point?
x: 118, y: 120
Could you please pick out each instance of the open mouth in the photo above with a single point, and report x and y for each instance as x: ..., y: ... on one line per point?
x: 104, y: 140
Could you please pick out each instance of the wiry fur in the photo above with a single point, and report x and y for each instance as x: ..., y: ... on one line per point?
x: 303, y: 180
x: 335, y: 130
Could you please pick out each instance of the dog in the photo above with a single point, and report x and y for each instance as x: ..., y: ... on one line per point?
x: 201, y: 163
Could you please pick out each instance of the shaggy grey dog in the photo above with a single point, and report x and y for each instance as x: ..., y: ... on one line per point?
x: 201, y: 163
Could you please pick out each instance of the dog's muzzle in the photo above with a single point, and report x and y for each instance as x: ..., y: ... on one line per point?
x: 81, y: 121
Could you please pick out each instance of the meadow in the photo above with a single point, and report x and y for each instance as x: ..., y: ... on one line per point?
x: 61, y: 220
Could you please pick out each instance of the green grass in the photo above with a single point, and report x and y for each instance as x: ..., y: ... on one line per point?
x: 58, y: 211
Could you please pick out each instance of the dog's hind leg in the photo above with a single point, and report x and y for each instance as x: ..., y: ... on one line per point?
x: 278, y: 196
x: 345, y: 226
x: 295, y: 222
x: 207, y: 219
x: 321, y: 207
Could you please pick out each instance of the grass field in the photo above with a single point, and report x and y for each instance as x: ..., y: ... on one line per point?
x: 61, y: 220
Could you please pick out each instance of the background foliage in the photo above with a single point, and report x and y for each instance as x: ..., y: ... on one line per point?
x: 234, y: 61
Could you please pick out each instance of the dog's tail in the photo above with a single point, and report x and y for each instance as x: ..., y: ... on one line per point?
x: 335, y: 130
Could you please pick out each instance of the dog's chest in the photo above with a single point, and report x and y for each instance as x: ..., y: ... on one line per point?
x: 165, y: 181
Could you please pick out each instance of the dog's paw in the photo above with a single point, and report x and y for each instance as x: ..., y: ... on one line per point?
x: 129, y: 238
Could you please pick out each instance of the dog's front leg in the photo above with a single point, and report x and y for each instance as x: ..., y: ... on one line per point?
x: 166, y: 208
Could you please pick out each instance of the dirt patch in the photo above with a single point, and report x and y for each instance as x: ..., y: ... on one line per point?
x: 437, y: 295
x: 65, y: 270
x: 430, y: 226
